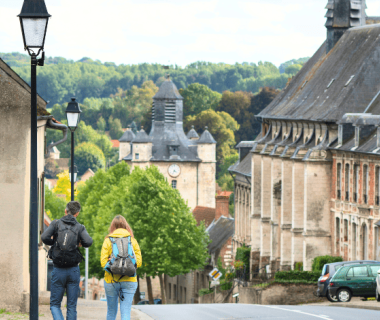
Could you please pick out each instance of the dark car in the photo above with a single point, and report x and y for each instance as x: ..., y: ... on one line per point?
x: 156, y: 301
x: 327, y: 273
x: 358, y: 280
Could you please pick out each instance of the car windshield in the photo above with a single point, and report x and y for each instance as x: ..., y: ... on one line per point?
x: 374, y: 270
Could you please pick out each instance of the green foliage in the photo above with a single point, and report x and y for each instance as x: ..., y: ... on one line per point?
x: 88, y: 156
x: 170, y: 241
x: 88, y: 78
x: 300, y: 61
x: 297, y: 276
x: 243, y: 255
x: 221, y: 125
x: 319, y: 262
x: 101, y: 124
x: 205, y: 291
x: 293, y: 69
x: 224, y: 178
x: 298, y: 266
x: 54, y: 206
x: 230, y: 276
x: 197, y: 98
x: 115, y: 128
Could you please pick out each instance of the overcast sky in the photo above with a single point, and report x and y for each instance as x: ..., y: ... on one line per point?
x: 177, y: 31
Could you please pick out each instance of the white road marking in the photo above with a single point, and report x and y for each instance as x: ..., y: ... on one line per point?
x: 298, y: 311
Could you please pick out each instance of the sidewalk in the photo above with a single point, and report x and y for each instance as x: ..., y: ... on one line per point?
x: 355, y: 302
x: 87, y: 310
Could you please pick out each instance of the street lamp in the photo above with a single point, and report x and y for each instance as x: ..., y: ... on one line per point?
x: 75, y: 174
x: 34, y: 20
x: 73, y: 114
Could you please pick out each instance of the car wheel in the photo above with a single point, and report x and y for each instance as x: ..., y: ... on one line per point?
x: 377, y: 296
x: 331, y: 298
x: 344, y: 295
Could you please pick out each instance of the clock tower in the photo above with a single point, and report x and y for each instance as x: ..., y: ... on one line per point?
x: 187, y: 161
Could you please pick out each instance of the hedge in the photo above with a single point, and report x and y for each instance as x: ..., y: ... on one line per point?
x: 297, y: 276
x: 205, y: 291
x: 243, y: 254
x: 320, y: 261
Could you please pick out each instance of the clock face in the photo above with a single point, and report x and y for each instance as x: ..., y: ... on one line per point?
x: 174, y: 170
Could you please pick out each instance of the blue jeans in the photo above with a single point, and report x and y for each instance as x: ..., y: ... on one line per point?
x: 64, y: 279
x: 128, y: 290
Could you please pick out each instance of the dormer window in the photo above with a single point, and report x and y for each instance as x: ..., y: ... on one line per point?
x: 137, y: 156
x: 357, y: 136
x: 340, y: 134
x: 173, y: 150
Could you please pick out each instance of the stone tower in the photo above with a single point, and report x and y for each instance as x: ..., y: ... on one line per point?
x: 187, y: 161
x: 125, y: 143
x: 341, y: 15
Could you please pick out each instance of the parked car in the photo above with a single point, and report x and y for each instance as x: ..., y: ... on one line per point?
x: 378, y: 286
x: 358, y: 280
x: 328, y: 272
x: 156, y: 301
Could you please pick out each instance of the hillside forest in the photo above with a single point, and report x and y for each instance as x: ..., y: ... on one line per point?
x: 221, y: 96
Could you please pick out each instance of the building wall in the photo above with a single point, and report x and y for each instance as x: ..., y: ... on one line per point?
x: 15, y: 188
x: 124, y: 149
x: 355, y: 235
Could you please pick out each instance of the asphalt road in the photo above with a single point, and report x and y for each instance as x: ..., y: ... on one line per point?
x: 251, y: 311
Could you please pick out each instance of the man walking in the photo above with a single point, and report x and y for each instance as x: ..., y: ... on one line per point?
x: 65, y: 236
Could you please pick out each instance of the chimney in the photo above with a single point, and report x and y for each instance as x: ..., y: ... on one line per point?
x: 222, y: 204
x: 342, y: 15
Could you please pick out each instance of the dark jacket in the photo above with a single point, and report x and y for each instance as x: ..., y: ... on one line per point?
x: 51, y: 231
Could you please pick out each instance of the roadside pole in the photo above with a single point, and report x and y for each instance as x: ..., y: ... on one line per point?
x: 86, y: 283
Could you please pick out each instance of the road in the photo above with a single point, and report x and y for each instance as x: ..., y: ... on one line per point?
x: 250, y: 311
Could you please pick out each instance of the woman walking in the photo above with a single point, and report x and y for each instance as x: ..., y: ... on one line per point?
x: 118, y: 286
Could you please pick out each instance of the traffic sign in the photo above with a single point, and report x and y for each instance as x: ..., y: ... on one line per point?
x: 215, y: 274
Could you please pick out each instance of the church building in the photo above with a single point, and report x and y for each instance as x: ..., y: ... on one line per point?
x: 187, y: 161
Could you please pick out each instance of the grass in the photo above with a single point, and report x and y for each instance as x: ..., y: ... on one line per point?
x: 15, y: 315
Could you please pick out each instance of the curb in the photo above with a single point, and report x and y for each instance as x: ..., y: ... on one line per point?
x: 142, y: 315
x: 355, y: 306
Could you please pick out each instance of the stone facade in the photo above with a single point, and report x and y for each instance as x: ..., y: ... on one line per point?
x: 310, y: 129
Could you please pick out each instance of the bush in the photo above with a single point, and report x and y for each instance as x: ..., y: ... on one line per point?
x: 297, y: 275
x: 298, y: 266
x: 225, y: 285
x: 243, y: 255
x: 320, y: 261
x: 205, y: 291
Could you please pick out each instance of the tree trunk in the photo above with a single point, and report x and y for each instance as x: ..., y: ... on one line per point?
x: 163, y: 289
x: 150, y: 291
x: 137, y: 293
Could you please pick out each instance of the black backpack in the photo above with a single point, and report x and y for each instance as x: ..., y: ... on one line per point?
x: 65, y: 252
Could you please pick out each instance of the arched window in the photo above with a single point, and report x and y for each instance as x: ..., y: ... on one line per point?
x: 347, y: 181
x: 363, y: 242
x: 337, y: 234
x: 377, y: 186
x: 345, y: 235
x: 365, y: 183
x: 356, y: 182
x: 338, y: 180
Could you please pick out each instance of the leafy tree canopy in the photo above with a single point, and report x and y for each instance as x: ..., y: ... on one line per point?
x: 54, y: 206
x: 88, y: 156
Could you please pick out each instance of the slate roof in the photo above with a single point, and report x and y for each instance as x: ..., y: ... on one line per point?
x: 243, y: 167
x: 127, y: 136
x: 219, y: 232
x: 245, y: 144
x: 205, y: 214
x: 329, y: 85
x: 141, y: 137
x: 206, y: 138
x: 168, y: 90
x: 192, y: 134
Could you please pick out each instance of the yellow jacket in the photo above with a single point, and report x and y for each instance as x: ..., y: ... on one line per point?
x: 107, y: 251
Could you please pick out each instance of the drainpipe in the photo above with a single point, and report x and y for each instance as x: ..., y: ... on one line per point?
x: 55, y: 126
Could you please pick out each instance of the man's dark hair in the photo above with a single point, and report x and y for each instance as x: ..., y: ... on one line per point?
x: 73, y: 207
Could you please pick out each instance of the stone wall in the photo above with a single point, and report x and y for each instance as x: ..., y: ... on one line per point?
x: 278, y: 294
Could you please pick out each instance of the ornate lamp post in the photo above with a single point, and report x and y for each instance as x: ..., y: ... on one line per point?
x: 73, y: 115
x: 34, y: 20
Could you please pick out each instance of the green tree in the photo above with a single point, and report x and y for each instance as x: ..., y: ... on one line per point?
x: 221, y: 125
x: 101, y: 124
x: 54, y: 206
x: 63, y: 186
x: 293, y: 69
x: 197, y: 98
x: 116, y: 130
x: 88, y: 156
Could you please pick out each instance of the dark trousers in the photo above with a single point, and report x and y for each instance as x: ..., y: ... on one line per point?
x: 64, y: 279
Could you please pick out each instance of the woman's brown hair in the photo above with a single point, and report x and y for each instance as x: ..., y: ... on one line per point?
x: 119, y: 222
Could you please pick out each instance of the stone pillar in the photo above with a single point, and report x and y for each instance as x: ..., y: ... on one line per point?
x: 297, y: 212
x: 265, y: 229
x: 286, y: 214
x: 256, y: 202
x: 317, y: 235
x: 275, y: 213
